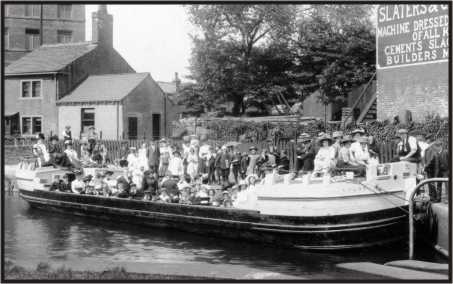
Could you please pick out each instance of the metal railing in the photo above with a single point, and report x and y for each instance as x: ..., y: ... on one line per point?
x: 411, y: 211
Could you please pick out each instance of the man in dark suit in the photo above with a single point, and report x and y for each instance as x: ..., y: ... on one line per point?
x: 432, y: 166
x: 153, y: 156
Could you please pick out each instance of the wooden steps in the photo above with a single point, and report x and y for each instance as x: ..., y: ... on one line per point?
x: 391, y: 271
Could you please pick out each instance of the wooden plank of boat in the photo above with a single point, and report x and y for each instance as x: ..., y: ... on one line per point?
x: 420, y: 265
x: 392, y: 272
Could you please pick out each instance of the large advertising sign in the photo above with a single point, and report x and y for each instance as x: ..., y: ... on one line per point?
x: 411, y: 34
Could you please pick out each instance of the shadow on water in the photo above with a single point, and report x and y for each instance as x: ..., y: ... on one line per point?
x: 61, y: 236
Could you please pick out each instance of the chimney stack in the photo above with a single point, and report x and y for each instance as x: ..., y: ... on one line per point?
x: 102, y: 23
x: 177, y: 82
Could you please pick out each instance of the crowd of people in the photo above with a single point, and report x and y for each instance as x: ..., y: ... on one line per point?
x: 198, y: 173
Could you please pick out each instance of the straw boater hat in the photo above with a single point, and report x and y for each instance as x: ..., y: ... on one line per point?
x: 358, y: 130
x: 68, y: 142
x: 325, y: 137
x: 347, y: 138
x: 253, y: 148
x: 337, y: 134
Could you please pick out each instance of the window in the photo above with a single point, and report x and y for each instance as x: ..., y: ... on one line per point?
x: 31, y: 89
x: 32, y: 10
x: 64, y: 11
x: 31, y: 125
x: 64, y: 36
x: 87, y: 118
x: 31, y: 39
x: 6, y: 38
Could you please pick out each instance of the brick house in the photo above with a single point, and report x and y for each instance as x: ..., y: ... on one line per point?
x: 35, y: 82
x: 130, y: 106
x: 28, y: 26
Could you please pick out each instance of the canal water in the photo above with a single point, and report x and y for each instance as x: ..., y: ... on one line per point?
x: 33, y: 236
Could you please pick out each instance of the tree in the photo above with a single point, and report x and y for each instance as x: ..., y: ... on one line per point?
x: 336, y: 50
x: 228, y: 57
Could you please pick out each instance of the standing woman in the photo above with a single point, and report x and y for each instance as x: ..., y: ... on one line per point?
x: 153, y: 156
x: 143, y: 157
x: 192, y: 163
x: 40, y: 151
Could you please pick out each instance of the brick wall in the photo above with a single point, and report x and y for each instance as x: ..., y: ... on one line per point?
x: 16, y: 22
x: 44, y: 106
x: 421, y: 89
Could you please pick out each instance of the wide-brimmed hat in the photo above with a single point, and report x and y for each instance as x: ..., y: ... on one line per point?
x: 253, y: 148
x: 346, y: 138
x: 337, y: 134
x: 176, y: 153
x: 402, y: 131
x: 363, y: 139
x: 88, y: 178
x: 324, y: 138
x: 358, y: 130
x: 320, y: 134
x: 68, y: 142
x: 163, y: 140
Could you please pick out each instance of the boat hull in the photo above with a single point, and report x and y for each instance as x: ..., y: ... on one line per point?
x: 309, y: 233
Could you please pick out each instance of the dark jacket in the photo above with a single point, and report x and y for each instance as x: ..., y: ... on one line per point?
x: 223, y: 161
x: 154, y: 156
x: 306, y: 159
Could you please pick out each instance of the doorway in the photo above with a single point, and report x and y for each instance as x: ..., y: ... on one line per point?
x: 132, y: 130
x: 156, y: 126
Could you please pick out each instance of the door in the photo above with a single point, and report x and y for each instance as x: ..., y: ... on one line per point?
x: 156, y: 126
x: 132, y: 127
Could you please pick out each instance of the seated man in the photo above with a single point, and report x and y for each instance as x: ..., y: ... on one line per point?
x: 57, y: 157
x: 407, y: 148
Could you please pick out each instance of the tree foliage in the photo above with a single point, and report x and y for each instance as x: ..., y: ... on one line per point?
x: 256, y: 55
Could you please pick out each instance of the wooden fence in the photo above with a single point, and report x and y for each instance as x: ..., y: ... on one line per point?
x: 387, y: 150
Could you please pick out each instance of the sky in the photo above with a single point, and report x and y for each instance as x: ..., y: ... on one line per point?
x: 152, y: 38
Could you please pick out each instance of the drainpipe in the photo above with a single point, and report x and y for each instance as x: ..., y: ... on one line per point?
x: 165, y: 115
x: 41, y: 31
x: 118, y: 120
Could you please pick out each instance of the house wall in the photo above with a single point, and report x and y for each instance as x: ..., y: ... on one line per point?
x: 106, y: 118
x: 44, y: 106
x: 16, y: 22
x: 143, y: 102
x: 312, y: 107
x: 421, y: 89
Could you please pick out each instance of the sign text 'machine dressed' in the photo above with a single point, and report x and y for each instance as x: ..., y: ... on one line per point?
x: 411, y: 34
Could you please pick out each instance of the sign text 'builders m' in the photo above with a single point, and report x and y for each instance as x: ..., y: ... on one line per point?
x: 411, y: 34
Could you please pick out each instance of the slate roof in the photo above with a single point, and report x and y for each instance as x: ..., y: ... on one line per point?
x: 167, y: 87
x: 109, y: 87
x: 49, y: 58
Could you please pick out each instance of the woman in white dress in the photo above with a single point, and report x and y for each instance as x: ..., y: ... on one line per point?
x: 325, y: 158
x: 192, y: 163
x: 143, y: 157
x: 40, y: 151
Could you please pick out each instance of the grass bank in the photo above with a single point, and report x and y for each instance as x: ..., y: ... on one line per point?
x: 43, y: 271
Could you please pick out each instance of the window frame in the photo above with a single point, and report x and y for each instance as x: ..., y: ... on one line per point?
x: 31, y: 125
x: 31, y: 6
x: 6, y: 38
x: 21, y: 97
x: 64, y: 33
x: 27, y: 41
x: 82, y: 119
x: 59, y: 14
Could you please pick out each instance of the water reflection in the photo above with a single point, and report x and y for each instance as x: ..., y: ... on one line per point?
x: 34, y: 235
